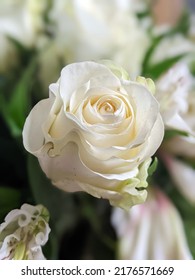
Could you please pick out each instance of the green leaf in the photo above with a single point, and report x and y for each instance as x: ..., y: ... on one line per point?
x: 152, y: 166
x: 10, y: 199
x: 181, y: 28
x: 155, y: 43
x: 16, y: 108
x: 172, y: 133
x: 61, y: 205
x: 154, y: 71
x: 189, y: 225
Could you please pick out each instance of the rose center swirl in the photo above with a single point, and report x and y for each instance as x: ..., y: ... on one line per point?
x: 106, y: 109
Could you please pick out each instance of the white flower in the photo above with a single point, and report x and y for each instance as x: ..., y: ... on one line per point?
x: 181, y: 111
x: 183, y: 176
x: 151, y: 231
x: 185, y: 145
x: 172, y: 91
x: 93, y: 30
x: 22, y: 20
x: 171, y: 46
x: 182, y: 173
x: 96, y: 133
x: 23, y: 233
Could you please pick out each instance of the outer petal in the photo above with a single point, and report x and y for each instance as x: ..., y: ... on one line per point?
x: 33, y: 136
x: 145, y: 107
x: 61, y: 170
x: 75, y: 75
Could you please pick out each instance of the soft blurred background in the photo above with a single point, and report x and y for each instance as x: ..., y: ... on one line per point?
x: 191, y: 4
x: 38, y: 38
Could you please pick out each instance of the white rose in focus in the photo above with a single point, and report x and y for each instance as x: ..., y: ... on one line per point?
x: 96, y: 133
x: 151, y: 231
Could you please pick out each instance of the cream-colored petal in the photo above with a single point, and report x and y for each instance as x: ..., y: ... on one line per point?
x: 75, y: 75
x: 33, y: 137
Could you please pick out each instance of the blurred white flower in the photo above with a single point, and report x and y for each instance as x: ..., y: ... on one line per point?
x: 24, y: 232
x: 151, y: 231
x: 93, y: 30
x: 182, y: 173
x: 137, y: 6
x: 171, y: 46
x: 22, y: 20
x: 96, y: 118
x: 183, y: 176
x: 172, y: 90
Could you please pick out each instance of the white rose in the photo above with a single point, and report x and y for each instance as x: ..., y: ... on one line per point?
x: 96, y: 133
x: 92, y: 30
x: 151, y: 231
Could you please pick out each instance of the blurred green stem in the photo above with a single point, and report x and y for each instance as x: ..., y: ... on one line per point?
x: 89, y: 212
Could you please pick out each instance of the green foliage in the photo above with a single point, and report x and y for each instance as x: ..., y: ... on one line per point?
x: 16, y: 108
x: 172, y: 133
x: 154, y: 71
x: 10, y: 198
x: 189, y: 225
x: 153, y: 166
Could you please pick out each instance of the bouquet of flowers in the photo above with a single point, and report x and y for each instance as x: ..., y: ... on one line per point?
x: 97, y: 130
